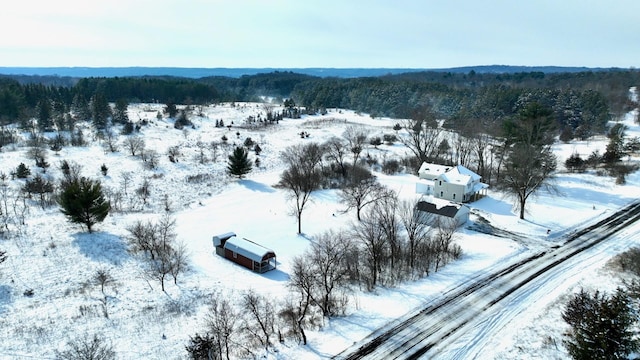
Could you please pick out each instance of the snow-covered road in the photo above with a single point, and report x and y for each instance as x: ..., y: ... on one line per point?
x: 460, y: 324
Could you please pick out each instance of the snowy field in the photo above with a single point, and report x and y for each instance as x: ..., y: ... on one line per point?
x: 56, y: 259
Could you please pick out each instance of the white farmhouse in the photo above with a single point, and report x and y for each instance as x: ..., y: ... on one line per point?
x: 453, y: 183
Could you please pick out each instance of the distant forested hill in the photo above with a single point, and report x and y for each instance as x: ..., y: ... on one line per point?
x: 194, y: 73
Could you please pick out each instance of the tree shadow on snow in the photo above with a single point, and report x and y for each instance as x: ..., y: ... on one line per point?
x: 256, y: 186
x: 493, y: 206
x: 5, y: 297
x: 102, y: 247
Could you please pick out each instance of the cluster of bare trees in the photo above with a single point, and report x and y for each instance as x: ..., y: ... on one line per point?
x: 239, y: 328
x: 311, y: 166
x: 13, y: 208
x: 319, y: 281
x: 166, y: 257
x: 396, y: 242
x: 471, y: 146
x: 392, y: 242
x: 129, y: 196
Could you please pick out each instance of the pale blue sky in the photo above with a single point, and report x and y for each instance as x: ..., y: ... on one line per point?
x: 329, y: 33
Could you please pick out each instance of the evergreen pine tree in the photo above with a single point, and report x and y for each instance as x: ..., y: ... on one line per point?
x: 100, y: 111
x: 83, y: 202
x: 120, y: 115
x: 22, y: 171
x: 601, y: 326
x: 39, y: 186
x: 44, y: 115
x: 170, y: 109
x: 182, y: 120
x: 239, y: 164
x: 80, y: 107
x: 127, y: 128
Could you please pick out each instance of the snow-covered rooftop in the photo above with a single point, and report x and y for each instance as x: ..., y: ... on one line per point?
x: 248, y: 249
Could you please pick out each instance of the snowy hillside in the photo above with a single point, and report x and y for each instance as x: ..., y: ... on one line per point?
x: 48, y: 295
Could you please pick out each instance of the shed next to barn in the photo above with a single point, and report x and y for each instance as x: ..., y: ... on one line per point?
x: 245, y: 252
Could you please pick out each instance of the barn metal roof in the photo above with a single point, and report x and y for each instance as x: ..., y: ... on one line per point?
x: 248, y: 249
x: 219, y: 239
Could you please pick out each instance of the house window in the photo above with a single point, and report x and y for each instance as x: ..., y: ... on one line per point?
x: 441, y: 194
x: 440, y: 183
x: 454, y: 196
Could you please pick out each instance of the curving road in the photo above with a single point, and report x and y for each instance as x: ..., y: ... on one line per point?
x: 449, y: 326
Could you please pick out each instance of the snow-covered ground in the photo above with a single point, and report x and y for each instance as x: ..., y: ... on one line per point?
x: 57, y: 259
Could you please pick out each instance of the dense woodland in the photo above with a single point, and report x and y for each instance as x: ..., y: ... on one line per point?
x: 582, y: 102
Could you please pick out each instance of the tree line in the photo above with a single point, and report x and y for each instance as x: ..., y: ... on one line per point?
x: 582, y: 102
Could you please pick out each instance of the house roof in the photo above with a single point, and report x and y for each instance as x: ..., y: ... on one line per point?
x: 460, y: 175
x: 443, y: 208
x: 248, y: 249
x: 432, y: 169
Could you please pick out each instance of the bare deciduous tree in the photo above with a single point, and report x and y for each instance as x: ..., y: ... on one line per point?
x: 261, y: 312
x: 135, y: 145
x: 528, y: 169
x: 443, y: 246
x: 417, y: 232
x: 386, y: 215
x: 214, y: 149
x: 423, y: 132
x: 530, y: 160
x: 337, y: 153
x: 94, y: 348
x: 371, y: 236
x: 302, y: 175
x: 160, y: 267
x: 144, y: 191
x: 222, y: 325
x: 179, y: 261
x: 481, y: 147
x: 167, y: 257
x: 328, y: 257
x: 151, y: 159
x: 361, y: 190
x: 142, y: 237
x: 110, y: 139
x: 356, y: 136
x: 102, y: 277
x: 462, y: 148
x: 301, y: 281
x: 125, y: 181
x: 39, y: 154
x: 115, y: 198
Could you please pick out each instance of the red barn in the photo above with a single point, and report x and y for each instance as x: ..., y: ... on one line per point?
x: 245, y: 252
